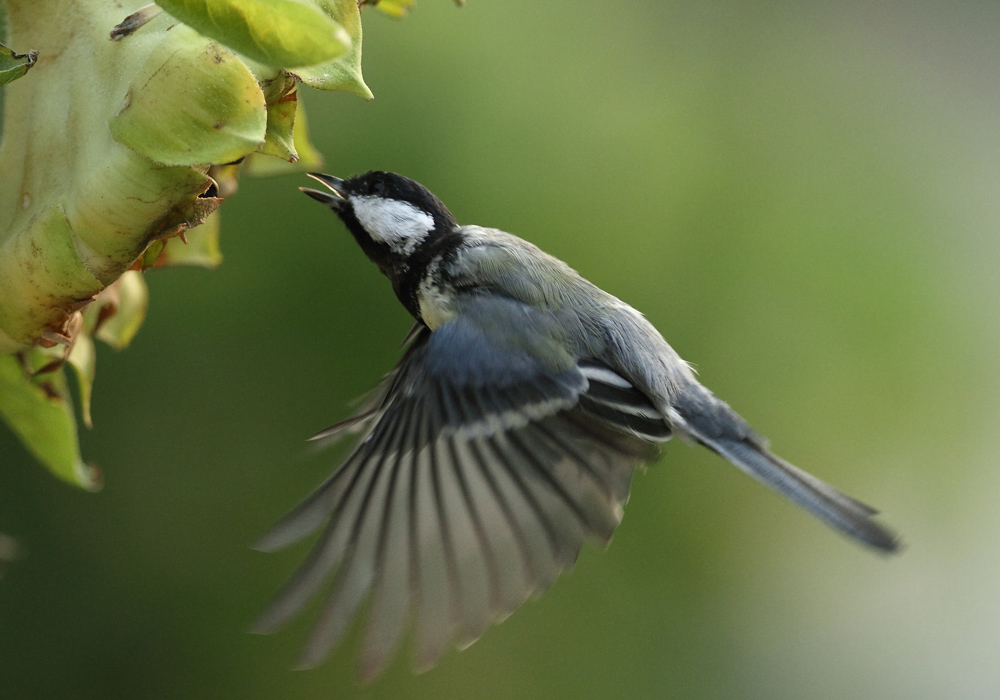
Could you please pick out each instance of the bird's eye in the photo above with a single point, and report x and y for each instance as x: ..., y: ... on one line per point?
x: 378, y: 187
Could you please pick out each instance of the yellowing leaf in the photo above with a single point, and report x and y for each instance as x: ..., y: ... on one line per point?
x: 279, y: 33
x: 118, y: 312
x: 394, y: 8
x: 83, y: 359
x: 309, y: 157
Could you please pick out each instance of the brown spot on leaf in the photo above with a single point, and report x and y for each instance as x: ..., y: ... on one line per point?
x: 49, y: 390
x: 51, y: 367
x: 106, y: 311
x: 133, y: 22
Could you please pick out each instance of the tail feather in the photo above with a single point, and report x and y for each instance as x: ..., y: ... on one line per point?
x: 713, y: 424
x: 837, y: 509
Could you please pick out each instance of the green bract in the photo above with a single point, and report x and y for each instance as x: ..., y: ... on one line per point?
x: 278, y: 33
x: 345, y: 72
x: 192, y: 101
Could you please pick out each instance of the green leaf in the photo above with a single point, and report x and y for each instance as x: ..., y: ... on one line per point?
x: 279, y: 33
x: 192, y: 102
x: 39, y: 412
x: 342, y: 73
x: 14, y: 65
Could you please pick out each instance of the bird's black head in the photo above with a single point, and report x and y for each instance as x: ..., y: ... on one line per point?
x: 399, y: 224
x: 391, y: 216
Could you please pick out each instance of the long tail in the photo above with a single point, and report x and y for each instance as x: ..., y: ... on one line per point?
x: 713, y: 424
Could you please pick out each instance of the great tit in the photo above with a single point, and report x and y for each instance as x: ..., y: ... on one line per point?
x: 504, y: 439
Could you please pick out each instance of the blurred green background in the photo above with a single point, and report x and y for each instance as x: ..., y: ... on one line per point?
x: 803, y: 197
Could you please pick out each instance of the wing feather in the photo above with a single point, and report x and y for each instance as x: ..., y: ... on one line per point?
x: 466, y: 495
x: 472, y: 563
x: 391, y: 594
x: 437, y: 601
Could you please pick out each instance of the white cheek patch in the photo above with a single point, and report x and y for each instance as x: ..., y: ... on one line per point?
x: 400, y: 224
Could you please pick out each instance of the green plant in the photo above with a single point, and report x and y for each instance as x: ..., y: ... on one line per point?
x: 122, y: 137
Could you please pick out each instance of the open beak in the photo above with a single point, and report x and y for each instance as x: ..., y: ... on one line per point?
x: 336, y: 200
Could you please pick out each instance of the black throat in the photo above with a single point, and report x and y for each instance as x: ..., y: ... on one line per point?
x: 405, y: 272
x: 439, y: 249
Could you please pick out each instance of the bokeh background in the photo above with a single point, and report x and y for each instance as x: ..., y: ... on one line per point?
x: 803, y: 197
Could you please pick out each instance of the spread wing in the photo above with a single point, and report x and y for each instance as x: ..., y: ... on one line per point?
x: 478, y: 476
